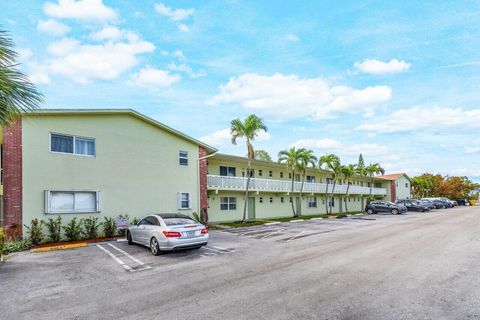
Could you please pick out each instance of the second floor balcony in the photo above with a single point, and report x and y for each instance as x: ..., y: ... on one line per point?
x: 269, y: 185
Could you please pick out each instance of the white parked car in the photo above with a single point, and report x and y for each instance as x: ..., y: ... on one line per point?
x: 167, y: 232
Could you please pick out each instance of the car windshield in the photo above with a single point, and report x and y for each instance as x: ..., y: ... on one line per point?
x: 178, y: 221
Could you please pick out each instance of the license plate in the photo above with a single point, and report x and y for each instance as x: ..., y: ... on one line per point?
x: 189, y: 234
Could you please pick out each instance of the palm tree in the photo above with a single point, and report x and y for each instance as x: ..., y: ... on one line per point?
x: 372, y: 170
x: 307, y: 159
x: 336, y: 170
x: 292, y: 158
x: 249, y: 130
x: 326, y: 163
x: 17, y: 93
x: 348, y: 172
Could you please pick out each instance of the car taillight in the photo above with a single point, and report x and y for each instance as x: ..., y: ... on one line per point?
x: 204, y: 231
x: 172, y: 234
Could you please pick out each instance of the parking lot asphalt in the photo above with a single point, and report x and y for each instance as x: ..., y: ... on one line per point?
x: 414, y: 266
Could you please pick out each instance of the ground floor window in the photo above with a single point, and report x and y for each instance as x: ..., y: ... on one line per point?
x: 228, y: 203
x: 71, y: 201
x: 184, y: 200
x: 312, y: 202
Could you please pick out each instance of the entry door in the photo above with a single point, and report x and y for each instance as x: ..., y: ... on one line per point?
x: 251, y: 208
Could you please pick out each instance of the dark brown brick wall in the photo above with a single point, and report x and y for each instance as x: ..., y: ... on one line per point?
x: 12, y: 179
x: 202, y: 152
x: 393, y: 188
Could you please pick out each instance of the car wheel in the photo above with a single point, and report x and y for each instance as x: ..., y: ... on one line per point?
x: 394, y: 211
x: 129, y: 238
x: 154, y: 248
x: 370, y: 211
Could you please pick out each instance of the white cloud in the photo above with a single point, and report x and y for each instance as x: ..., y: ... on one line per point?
x: 52, y: 27
x: 81, y: 10
x: 474, y: 147
x: 222, y: 138
x: 39, y: 78
x: 341, y: 148
x: 152, y: 78
x: 176, y: 54
x: 84, y: 62
x: 173, y: 14
x: 185, y: 68
x: 291, y: 37
x: 24, y: 54
x: 183, y: 27
x: 375, y: 66
x: 288, y: 96
x: 418, y: 118
x: 108, y: 33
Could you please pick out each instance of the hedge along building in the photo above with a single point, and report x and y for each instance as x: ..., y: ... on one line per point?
x: 77, y: 163
x: 270, y: 190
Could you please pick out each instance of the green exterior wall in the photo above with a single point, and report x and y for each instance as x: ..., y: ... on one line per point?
x: 136, y: 166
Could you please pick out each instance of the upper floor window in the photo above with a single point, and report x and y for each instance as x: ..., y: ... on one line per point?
x: 310, y: 179
x: 260, y: 172
x: 270, y: 173
x: 228, y: 171
x: 406, y: 185
x: 281, y: 174
x: 72, y: 144
x: 183, y: 158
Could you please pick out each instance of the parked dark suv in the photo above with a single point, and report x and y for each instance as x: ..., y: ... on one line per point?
x: 414, y: 205
x: 385, y: 206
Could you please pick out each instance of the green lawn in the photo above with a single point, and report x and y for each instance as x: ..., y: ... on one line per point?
x: 285, y: 219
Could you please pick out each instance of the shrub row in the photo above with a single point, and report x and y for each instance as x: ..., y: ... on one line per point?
x: 86, y: 228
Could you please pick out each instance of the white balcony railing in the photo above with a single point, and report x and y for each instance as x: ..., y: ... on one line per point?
x: 240, y: 183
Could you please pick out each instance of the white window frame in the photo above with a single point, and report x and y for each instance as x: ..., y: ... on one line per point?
x: 310, y: 202
x: 74, y: 145
x: 179, y: 198
x: 228, y: 203
x: 180, y: 157
x: 48, y: 203
x: 228, y: 171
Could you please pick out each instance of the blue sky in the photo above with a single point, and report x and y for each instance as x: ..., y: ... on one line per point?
x: 397, y: 81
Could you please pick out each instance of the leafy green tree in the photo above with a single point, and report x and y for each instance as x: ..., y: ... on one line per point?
x: 249, y: 130
x: 307, y: 159
x: 336, y: 170
x: 262, y: 155
x: 372, y: 170
x: 292, y: 158
x: 348, y: 172
x: 327, y: 163
x: 17, y: 93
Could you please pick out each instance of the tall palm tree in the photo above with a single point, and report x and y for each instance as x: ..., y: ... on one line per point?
x: 336, y: 169
x: 292, y: 158
x: 249, y: 130
x: 308, y: 159
x: 372, y: 170
x: 326, y: 163
x: 17, y: 93
x: 348, y: 172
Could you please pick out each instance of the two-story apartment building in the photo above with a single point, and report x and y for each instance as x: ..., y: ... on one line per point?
x: 400, y: 186
x: 77, y: 163
x: 270, y: 190
x: 107, y: 162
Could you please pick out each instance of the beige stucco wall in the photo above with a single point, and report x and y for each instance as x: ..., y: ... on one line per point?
x: 275, y: 209
x: 403, y: 188
x: 136, y: 167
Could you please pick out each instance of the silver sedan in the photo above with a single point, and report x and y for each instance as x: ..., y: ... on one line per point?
x: 167, y: 232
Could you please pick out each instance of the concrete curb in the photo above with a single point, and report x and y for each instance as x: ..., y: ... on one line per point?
x: 271, y: 223
x: 60, y: 247
x: 298, y: 220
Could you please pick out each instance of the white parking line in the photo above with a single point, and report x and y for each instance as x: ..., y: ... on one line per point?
x: 272, y: 233
x: 292, y: 238
x: 123, y: 264
x: 126, y: 254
